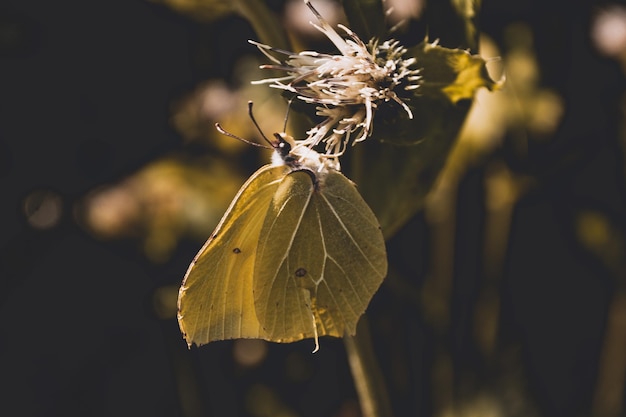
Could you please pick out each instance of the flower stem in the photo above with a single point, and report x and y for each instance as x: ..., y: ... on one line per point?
x: 368, y: 379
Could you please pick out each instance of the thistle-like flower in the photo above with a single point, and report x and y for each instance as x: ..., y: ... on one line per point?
x: 346, y: 89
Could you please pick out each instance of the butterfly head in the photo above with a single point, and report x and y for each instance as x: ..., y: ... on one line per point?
x: 288, y: 151
x: 282, y: 149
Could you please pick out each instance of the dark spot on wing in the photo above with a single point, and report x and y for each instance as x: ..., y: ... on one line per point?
x: 300, y: 272
x: 236, y: 250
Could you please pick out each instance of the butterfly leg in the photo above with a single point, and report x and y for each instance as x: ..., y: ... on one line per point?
x: 317, y: 342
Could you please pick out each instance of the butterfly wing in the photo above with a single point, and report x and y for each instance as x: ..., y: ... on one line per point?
x: 320, y: 259
x: 215, y: 301
x: 356, y: 257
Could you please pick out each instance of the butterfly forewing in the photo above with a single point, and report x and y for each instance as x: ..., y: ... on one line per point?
x: 215, y: 301
x: 321, y: 258
x: 282, y: 299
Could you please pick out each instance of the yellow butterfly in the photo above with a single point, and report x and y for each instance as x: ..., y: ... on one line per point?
x: 298, y: 254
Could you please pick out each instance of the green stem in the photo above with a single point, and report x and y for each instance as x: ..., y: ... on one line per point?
x: 264, y: 23
x: 368, y: 378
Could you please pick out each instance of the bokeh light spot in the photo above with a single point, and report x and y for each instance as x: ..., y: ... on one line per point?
x: 43, y: 209
x: 249, y: 352
x: 608, y: 31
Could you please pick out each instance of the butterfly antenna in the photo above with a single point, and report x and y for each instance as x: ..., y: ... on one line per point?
x: 257, y: 125
x: 223, y: 132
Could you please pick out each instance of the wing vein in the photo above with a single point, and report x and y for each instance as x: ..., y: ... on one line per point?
x: 293, y: 235
x: 343, y: 226
x: 327, y: 256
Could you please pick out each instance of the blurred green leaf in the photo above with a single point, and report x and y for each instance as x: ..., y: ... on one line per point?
x: 264, y: 22
x: 366, y: 18
x: 453, y: 23
x: 467, y: 12
x: 394, y: 180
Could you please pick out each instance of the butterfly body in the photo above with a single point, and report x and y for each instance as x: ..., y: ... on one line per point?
x: 297, y: 255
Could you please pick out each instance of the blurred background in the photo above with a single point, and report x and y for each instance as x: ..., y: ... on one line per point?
x: 506, y: 294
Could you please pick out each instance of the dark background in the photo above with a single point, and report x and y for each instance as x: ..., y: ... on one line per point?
x: 85, y: 98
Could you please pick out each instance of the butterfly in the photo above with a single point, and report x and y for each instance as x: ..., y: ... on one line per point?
x: 298, y: 254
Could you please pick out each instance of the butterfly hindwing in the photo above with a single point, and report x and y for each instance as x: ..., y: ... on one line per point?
x: 321, y: 258
x: 216, y: 299
x: 356, y: 259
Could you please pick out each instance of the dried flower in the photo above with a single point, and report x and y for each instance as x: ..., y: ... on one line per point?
x: 346, y: 89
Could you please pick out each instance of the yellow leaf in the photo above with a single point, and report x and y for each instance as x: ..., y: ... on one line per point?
x: 471, y: 74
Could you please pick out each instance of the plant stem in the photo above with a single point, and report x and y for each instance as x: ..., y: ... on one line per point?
x: 368, y: 379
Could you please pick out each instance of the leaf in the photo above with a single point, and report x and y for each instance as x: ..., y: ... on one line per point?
x: 366, y: 18
x: 454, y: 22
x: 394, y: 180
x: 454, y: 73
x: 449, y: 77
x: 263, y: 20
x: 467, y: 11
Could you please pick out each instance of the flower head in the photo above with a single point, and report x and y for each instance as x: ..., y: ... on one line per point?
x: 347, y: 88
